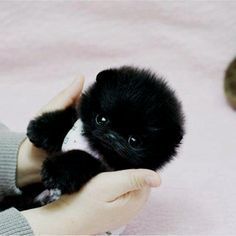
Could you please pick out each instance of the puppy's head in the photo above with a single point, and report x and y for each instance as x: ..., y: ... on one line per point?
x: 132, y: 118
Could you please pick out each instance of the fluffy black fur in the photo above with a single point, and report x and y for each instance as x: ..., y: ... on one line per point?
x: 130, y: 117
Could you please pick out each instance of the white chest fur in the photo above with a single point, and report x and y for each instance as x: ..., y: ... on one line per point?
x: 75, y: 140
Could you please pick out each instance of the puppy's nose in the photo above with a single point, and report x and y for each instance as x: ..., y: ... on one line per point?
x: 111, y: 136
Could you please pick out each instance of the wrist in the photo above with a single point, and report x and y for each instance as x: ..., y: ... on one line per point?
x: 51, y: 219
x: 40, y: 221
x: 29, y: 164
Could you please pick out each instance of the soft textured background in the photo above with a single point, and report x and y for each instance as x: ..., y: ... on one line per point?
x: 44, y: 44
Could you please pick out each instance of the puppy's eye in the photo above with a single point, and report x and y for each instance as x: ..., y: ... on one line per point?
x: 101, y: 120
x: 134, y: 141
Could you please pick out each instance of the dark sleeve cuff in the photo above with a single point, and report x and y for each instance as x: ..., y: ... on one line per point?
x: 9, y: 145
x: 12, y: 222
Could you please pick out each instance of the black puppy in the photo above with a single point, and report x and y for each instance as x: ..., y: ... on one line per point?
x: 131, y: 119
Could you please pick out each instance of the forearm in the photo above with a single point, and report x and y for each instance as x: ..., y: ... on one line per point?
x: 47, y: 221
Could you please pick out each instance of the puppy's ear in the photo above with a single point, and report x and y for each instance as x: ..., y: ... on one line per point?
x: 105, y: 75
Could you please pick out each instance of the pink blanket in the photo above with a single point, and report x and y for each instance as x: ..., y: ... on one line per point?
x: 44, y: 44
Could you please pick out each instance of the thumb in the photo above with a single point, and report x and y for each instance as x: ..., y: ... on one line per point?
x: 70, y: 94
x: 67, y: 97
x: 115, y: 184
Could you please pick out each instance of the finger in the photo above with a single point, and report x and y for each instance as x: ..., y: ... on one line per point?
x: 130, y: 203
x: 66, y: 97
x: 135, y: 196
x: 115, y: 184
x: 73, y: 92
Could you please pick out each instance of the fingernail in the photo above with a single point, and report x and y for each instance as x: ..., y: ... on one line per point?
x: 78, y: 79
x: 152, y: 181
x: 77, y: 82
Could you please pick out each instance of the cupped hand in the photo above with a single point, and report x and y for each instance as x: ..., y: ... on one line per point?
x: 30, y: 158
x: 108, y: 201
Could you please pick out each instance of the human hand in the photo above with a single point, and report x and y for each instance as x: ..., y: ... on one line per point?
x: 30, y: 158
x: 108, y: 201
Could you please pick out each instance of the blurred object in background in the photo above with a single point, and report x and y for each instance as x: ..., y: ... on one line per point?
x: 230, y: 84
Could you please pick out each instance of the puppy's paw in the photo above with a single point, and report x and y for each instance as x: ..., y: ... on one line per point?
x: 47, y: 196
x: 36, y: 133
x: 54, y: 176
x: 69, y: 171
x: 41, y: 134
x: 49, y: 130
